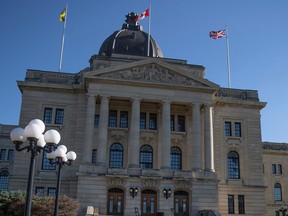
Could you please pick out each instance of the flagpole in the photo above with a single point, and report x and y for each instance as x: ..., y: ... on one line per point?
x: 228, y: 56
x: 63, y: 38
x: 149, y: 33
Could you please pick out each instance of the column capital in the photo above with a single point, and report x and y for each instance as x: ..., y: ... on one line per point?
x: 166, y: 101
x: 135, y: 99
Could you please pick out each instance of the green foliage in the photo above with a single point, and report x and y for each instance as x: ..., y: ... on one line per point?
x: 13, y: 203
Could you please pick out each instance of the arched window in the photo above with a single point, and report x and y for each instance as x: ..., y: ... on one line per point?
x: 4, y: 180
x: 277, y: 192
x: 116, y: 156
x: 176, y: 158
x: 146, y: 157
x: 233, y: 165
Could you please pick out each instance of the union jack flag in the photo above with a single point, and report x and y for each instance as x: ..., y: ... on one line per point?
x: 217, y: 34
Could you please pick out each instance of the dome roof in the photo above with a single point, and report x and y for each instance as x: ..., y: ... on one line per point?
x: 130, y: 40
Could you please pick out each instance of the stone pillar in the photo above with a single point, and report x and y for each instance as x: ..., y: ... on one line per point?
x: 102, y: 132
x: 89, y: 129
x: 134, y: 135
x: 166, y: 134
x: 208, y: 139
x: 196, y: 137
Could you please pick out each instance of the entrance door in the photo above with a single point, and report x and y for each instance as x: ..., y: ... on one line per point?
x: 181, y: 203
x: 115, y: 201
x: 148, y: 203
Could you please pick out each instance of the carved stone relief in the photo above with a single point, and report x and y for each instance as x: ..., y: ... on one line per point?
x: 153, y: 73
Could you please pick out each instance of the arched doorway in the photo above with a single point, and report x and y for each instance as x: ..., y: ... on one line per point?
x: 181, y: 203
x: 115, y: 201
x: 148, y: 203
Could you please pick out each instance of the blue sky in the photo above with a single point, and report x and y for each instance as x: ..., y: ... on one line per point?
x: 30, y: 38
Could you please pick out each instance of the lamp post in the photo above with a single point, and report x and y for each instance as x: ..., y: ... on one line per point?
x: 60, y: 158
x: 133, y: 191
x: 37, y: 141
x: 283, y: 209
x: 166, y: 193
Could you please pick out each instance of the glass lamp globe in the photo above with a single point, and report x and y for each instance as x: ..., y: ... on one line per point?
x: 52, y: 137
x: 71, y: 155
x: 41, y: 142
x: 40, y: 123
x: 32, y: 131
x: 17, y: 135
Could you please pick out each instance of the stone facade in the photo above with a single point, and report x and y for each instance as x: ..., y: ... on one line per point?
x: 198, y: 142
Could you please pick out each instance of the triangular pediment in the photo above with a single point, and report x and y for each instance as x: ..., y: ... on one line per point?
x: 153, y: 72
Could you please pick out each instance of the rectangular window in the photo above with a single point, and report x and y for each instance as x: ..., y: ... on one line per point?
x: 153, y: 121
x: 273, y: 168
x: 51, y: 192
x: 3, y: 154
x: 96, y: 120
x: 231, y: 209
x: 46, y: 163
x: 10, y: 155
x: 123, y: 119
x: 112, y: 118
x: 39, y: 191
x: 237, y: 129
x: 59, y: 116
x: 4, y: 180
x: 181, y: 124
x: 142, y: 120
x: 228, y: 130
x: 241, y: 204
x: 94, y: 155
x: 47, y: 119
x: 279, y: 166
x: 172, y: 123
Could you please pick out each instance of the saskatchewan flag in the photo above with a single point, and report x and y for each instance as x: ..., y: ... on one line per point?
x: 62, y: 15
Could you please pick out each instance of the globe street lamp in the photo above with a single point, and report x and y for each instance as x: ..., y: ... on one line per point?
x: 60, y: 158
x: 283, y: 209
x: 37, y: 141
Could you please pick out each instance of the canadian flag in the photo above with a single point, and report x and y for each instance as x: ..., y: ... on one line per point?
x: 142, y: 15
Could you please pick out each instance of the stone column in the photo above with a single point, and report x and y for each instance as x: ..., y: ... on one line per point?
x: 134, y: 135
x: 196, y: 137
x: 102, y: 132
x: 89, y: 129
x: 208, y: 139
x: 166, y: 134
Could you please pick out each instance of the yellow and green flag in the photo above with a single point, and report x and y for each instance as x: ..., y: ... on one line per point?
x: 62, y: 15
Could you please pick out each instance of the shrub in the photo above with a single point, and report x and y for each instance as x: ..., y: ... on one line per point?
x: 13, y: 204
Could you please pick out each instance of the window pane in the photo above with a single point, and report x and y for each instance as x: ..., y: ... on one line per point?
x: 142, y: 120
x: 279, y: 169
x: 51, y: 192
x: 113, y: 119
x: 10, y: 154
x: 181, y: 124
x: 233, y: 165
x: 153, y: 121
x: 59, y: 116
x: 47, y: 116
x: 241, y: 204
x: 230, y: 204
x: 116, y: 156
x: 4, y: 180
x: 94, y: 155
x: 172, y: 123
x: 39, y: 191
x: 3, y: 154
x: 277, y: 192
x: 124, y: 119
x: 146, y: 157
x: 46, y: 164
x: 176, y: 158
x: 273, y: 168
x: 228, y: 131
x: 237, y: 132
x: 96, y: 120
